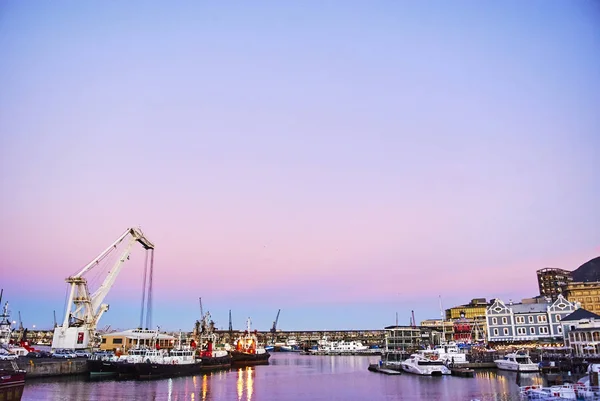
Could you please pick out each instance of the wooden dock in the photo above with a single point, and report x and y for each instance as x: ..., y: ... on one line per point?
x: 462, y: 371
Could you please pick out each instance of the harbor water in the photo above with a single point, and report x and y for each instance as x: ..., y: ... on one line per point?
x: 289, y: 377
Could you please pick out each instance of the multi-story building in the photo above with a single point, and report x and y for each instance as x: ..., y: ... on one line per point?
x: 553, y: 282
x: 474, y: 310
x: 444, y: 327
x: 582, y: 332
x: 587, y: 294
x: 532, y: 320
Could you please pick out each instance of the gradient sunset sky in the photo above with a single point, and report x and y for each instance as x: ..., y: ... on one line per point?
x: 340, y: 160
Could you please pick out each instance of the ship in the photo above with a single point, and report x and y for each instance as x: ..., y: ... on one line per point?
x: 162, y: 363
x: 204, y: 340
x: 12, y: 382
x: 247, y: 352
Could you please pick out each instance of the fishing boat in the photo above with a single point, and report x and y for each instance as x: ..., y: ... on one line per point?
x: 247, y: 351
x: 205, y: 341
x: 163, y: 363
x: 291, y: 345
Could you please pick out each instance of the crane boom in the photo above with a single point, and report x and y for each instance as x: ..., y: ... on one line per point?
x: 85, y: 309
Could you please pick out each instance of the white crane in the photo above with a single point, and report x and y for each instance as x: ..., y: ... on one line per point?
x: 84, y: 310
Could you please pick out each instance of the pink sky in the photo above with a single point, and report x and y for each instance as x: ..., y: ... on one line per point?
x: 342, y: 164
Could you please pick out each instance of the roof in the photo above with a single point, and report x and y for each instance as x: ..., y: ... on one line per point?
x: 580, y: 314
x: 141, y: 334
x: 529, y: 308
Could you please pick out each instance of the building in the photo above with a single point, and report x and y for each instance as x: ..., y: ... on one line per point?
x: 532, y: 320
x: 474, y: 310
x: 587, y: 294
x: 445, y: 328
x: 553, y: 282
x: 124, y: 340
x: 582, y: 332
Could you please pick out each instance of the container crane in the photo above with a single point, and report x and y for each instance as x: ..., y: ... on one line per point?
x: 78, y: 329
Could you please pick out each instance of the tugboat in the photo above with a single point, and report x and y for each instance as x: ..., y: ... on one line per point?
x: 204, y: 340
x: 12, y: 382
x: 246, y: 350
x: 160, y: 363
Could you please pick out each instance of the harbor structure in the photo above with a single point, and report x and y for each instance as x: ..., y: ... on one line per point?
x: 553, y: 282
x: 443, y: 328
x: 469, y: 320
x: 84, y: 308
x: 532, y: 320
x: 586, y: 293
x: 581, y: 331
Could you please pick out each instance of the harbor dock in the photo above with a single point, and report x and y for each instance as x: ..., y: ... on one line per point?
x: 47, y: 367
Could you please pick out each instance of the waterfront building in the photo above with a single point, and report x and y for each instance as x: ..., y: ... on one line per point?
x: 582, y: 332
x: 553, y: 282
x: 125, y: 340
x: 469, y: 320
x: 587, y: 294
x: 534, y: 319
x: 443, y: 327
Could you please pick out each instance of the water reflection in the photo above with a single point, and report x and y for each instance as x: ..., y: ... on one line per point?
x: 290, y: 378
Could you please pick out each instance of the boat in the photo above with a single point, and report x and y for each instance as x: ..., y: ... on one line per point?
x: 162, y: 363
x: 450, y: 353
x: 102, y: 364
x: 247, y: 351
x: 204, y: 340
x: 517, y: 362
x: 423, y: 364
x: 12, y: 382
x: 19, y: 348
x: 291, y: 345
x: 342, y: 347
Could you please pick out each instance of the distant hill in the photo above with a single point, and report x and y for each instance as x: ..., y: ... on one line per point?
x: 589, y: 271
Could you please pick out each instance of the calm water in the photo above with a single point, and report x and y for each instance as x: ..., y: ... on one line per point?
x: 289, y: 377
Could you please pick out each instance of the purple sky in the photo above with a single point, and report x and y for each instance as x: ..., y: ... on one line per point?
x: 342, y: 161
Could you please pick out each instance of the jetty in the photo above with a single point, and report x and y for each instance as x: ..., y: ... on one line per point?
x: 374, y: 367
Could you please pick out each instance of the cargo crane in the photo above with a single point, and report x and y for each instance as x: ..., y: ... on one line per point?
x: 83, y: 310
x: 274, y: 328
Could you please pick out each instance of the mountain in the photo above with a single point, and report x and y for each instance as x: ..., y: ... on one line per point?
x: 589, y: 271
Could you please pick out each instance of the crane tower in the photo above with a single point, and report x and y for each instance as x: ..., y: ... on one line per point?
x: 78, y: 329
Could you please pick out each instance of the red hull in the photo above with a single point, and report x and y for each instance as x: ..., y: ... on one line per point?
x: 11, y: 384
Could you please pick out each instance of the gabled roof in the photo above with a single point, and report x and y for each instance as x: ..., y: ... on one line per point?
x: 580, y: 314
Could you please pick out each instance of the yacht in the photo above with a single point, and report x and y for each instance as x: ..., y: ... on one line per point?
x: 424, y: 364
x: 517, y: 362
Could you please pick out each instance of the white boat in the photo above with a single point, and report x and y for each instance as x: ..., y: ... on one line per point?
x: 339, y: 347
x: 425, y: 364
x: 450, y: 353
x: 517, y: 362
x: 291, y: 345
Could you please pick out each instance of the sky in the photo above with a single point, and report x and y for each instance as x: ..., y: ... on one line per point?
x: 342, y: 161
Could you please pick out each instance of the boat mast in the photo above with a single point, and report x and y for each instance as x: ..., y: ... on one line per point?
x: 443, y: 323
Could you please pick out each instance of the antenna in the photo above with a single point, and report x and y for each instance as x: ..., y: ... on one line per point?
x: 55, y: 319
x: 201, y: 310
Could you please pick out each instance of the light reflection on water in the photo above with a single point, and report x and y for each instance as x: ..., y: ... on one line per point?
x: 290, y: 377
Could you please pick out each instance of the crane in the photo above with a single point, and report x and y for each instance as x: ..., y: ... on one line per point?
x: 78, y: 329
x: 274, y: 328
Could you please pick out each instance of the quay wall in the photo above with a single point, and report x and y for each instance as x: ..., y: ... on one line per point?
x: 47, y: 367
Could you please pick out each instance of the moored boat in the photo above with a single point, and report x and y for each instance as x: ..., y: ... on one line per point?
x: 12, y: 382
x: 424, y: 364
x: 247, y: 351
x: 160, y: 363
x: 517, y: 362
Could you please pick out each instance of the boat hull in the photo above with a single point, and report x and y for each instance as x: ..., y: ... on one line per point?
x: 514, y: 367
x: 149, y: 370
x: 245, y: 359
x: 11, y: 384
x: 98, y: 367
x: 216, y: 363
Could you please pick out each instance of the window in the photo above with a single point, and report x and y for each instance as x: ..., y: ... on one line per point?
x: 104, y: 341
x: 504, y: 321
x: 530, y: 318
x: 542, y: 319
x: 494, y: 320
x: 559, y: 329
x: 521, y: 331
x: 532, y: 330
x: 496, y: 332
x: 117, y: 341
x: 557, y: 318
x: 505, y: 331
x: 519, y: 319
x: 543, y: 330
